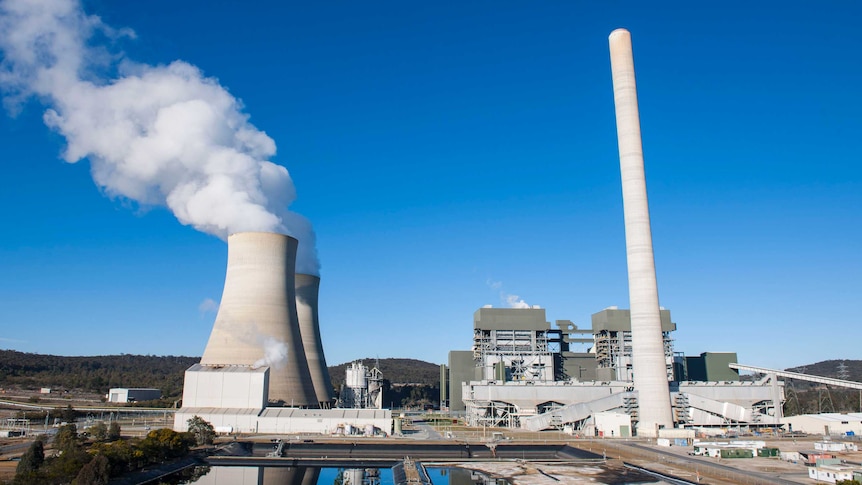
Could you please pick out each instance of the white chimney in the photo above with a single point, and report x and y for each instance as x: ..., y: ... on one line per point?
x: 648, y: 358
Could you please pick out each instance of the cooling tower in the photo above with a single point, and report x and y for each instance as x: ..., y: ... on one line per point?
x: 307, y: 288
x: 257, y: 322
x: 648, y: 358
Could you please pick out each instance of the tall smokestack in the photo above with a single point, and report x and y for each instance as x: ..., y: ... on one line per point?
x: 307, y: 289
x: 257, y: 321
x: 648, y: 357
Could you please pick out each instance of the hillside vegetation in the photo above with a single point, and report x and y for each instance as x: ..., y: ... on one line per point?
x: 809, y: 397
x: 99, y: 373
x: 396, y: 371
x: 94, y: 374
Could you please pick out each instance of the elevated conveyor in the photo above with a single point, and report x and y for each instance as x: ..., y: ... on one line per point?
x: 727, y: 410
x: 572, y: 413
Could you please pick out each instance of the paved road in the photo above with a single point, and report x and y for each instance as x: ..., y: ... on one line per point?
x: 425, y: 432
x: 15, y: 448
x: 767, y: 478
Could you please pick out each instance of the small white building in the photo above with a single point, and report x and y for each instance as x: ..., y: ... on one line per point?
x: 832, y: 473
x: 713, y: 448
x: 613, y: 425
x: 839, y: 446
x: 123, y: 394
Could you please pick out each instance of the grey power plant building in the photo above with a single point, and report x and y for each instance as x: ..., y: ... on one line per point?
x: 522, y: 372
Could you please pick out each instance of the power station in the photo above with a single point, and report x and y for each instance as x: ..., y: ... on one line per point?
x: 521, y: 372
x: 264, y: 370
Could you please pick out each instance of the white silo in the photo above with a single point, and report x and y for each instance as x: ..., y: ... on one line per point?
x: 307, y: 289
x: 648, y: 356
x: 257, y: 323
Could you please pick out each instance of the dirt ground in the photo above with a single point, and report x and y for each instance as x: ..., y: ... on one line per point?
x: 7, y: 470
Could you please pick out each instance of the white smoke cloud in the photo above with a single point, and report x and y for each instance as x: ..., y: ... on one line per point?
x: 494, y: 285
x: 514, y: 301
x: 157, y: 135
x: 508, y: 299
x: 274, y: 354
x: 208, y: 305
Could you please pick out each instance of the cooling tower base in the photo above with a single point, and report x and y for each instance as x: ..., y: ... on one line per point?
x: 233, y: 399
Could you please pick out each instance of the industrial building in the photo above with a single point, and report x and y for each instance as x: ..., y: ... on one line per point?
x: 709, y: 366
x: 612, y: 333
x: 362, y: 388
x: 123, y: 394
x: 835, y: 424
x: 512, y: 346
x: 521, y: 372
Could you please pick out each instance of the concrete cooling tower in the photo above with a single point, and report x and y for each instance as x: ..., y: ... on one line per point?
x: 257, y: 323
x: 307, y: 288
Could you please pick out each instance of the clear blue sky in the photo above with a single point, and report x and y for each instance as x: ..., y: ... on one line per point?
x: 442, y: 150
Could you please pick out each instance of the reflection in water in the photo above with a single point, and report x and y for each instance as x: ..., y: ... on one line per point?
x: 289, y: 475
x: 223, y: 475
x: 357, y: 476
x: 461, y: 476
x: 254, y: 475
x: 258, y: 475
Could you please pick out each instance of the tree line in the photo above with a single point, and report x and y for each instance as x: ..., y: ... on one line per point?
x: 407, y: 382
x: 99, y: 454
x: 94, y: 374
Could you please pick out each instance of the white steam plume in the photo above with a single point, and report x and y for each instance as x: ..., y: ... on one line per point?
x: 208, y: 305
x: 157, y: 135
x: 512, y: 301
x: 274, y: 354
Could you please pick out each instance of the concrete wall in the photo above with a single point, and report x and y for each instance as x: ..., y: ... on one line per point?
x: 225, y: 387
x: 614, y: 425
x: 510, y: 319
x: 580, y: 366
x: 287, y: 420
x: 712, y: 366
x: 462, y: 368
x: 617, y: 320
x: 816, y: 423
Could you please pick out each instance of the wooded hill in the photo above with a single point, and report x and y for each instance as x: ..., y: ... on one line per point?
x: 100, y: 373
x: 808, y: 397
x: 396, y: 371
x: 94, y: 374
x: 850, y: 370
